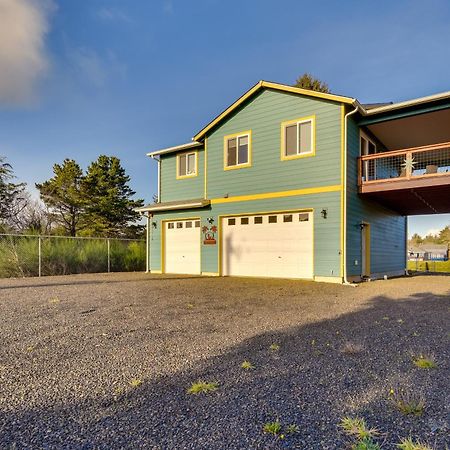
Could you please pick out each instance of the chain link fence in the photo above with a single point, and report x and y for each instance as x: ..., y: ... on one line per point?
x: 32, y: 255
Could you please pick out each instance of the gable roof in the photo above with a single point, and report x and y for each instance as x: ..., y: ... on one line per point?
x: 364, y: 110
x: 275, y: 86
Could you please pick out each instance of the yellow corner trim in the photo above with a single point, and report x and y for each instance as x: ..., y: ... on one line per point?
x: 267, y: 195
x: 206, y: 167
x: 237, y: 135
x: 343, y: 212
x: 311, y: 119
x: 276, y: 86
x: 191, y: 175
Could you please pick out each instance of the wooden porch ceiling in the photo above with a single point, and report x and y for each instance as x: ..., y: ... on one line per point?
x: 412, y: 197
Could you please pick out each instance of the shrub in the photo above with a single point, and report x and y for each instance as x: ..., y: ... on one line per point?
x: 408, y: 403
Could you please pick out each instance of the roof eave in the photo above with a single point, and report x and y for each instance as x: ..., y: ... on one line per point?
x: 176, y: 148
x: 409, y: 103
x: 277, y: 86
x: 179, y: 205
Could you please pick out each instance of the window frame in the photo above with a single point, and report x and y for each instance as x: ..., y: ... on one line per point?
x: 364, y: 136
x: 190, y: 175
x: 236, y: 136
x: 296, y: 122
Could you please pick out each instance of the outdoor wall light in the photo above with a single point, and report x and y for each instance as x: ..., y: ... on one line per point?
x: 154, y: 224
x: 210, y: 219
x: 324, y: 213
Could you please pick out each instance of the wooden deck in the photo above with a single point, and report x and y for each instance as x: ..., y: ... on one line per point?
x: 410, y: 181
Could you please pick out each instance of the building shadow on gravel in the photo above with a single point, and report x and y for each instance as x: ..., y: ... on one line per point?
x: 322, y: 372
x: 42, y: 283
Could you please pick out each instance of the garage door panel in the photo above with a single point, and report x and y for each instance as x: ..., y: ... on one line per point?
x: 182, y: 248
x: 278, y: 249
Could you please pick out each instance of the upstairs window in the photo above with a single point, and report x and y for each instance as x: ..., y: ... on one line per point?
x: 297, y: 138
x: 187, y: 165
x: 237, y: 151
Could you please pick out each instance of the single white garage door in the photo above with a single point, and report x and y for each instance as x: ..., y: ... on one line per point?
x: 182, y: 246
x: 269, y: 245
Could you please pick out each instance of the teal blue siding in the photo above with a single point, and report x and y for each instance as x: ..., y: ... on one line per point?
x: 326, y: 231
x: 388, y: 228
x: 185, y: 188
x: 263, y: 115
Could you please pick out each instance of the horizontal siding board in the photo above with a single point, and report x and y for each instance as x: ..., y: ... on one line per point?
x: 185, y: 188
x: 264, y: 115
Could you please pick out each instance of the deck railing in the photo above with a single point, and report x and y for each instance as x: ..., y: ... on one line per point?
x: 411, y: 163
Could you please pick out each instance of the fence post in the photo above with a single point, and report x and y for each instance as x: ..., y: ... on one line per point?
x: 40, y: 255
x: 109, y: 255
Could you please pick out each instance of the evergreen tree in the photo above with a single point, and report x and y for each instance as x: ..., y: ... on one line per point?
x: 63, y: 195
x: 12, y: 196
x: 308, y: 81
x: 109, y: 203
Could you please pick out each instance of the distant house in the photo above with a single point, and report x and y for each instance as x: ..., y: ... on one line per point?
x: 291, y: 183
x: 428, y: 252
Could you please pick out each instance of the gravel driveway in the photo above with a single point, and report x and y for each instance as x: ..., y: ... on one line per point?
x: 104, y: 361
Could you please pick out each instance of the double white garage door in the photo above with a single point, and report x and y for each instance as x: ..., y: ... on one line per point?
x: 268, y: 245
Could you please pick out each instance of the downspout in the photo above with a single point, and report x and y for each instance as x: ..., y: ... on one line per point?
x: 148, y: 243
x: 344, y: 199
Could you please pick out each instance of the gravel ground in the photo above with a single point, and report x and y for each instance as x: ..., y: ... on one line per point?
x: 104, y: 361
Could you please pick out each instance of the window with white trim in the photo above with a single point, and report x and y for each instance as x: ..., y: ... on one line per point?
x: 187, y: 164
x: 298, y: 138
x: 237, y: 151
x: 367, y: 147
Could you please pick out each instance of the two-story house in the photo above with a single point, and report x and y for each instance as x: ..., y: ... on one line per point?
x: 293, y: 183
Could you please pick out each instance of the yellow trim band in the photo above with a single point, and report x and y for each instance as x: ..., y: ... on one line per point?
x: 267, y: 195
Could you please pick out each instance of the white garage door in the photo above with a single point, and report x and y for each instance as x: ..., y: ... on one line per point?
x: 269, y: 245
x: 182, y: 246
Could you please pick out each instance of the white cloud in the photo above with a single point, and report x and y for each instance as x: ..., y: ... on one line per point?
x: 112, y: 15
x: 97, y: 69
x: 23, y: 59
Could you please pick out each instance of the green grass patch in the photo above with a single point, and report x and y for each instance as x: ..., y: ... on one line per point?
x: 202, y: 387
x: 429, y: 266
x: 425, y: 362
x: 366, y: 444
x: 357, y: 427
x: 247, y: 365
x: 135, y: 382
x: 273, y: 428
x: 409, y: 444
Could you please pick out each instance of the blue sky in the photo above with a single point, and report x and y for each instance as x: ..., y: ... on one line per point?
x: 124, y: 77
